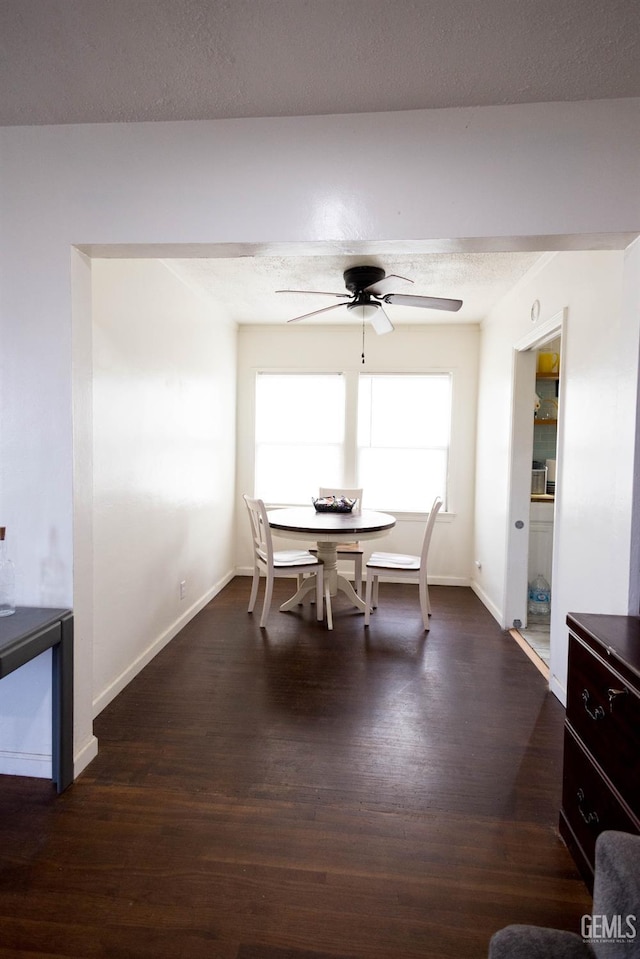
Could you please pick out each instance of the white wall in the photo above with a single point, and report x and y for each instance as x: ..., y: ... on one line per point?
x: 595, y: 504
x: 164, y: 462
x: 434, y: 178
x: 409, y: 349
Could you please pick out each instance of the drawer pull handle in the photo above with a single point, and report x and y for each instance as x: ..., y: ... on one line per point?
x: 588, y: 817
x: 612, y: 695
x: 598, y: 712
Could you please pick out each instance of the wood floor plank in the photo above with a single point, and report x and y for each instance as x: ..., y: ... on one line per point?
x: 296, y: 793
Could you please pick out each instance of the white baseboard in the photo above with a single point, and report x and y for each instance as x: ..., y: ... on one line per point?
x: 558, y: 689
x: 40, y: 766
x: 448, y: 581
x: 82, y: 759
x: 110, y: 693
x: 433, y: 580
x: 484, y: 599
x: 34, y: 765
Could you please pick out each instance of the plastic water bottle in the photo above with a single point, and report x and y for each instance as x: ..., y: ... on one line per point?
x: 539, y: 597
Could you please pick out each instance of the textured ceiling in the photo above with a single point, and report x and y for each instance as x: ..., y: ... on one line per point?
x: 93, y: 61
x: 245, y: 288
x: 96, y: 61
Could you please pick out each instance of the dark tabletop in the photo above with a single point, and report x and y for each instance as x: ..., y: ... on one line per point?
x: 304, y: 519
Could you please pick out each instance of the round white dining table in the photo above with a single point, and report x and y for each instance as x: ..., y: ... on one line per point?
x: 328, y: 530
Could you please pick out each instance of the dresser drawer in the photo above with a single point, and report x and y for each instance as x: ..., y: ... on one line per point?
x: 604, y: 711
x: 588, y: 802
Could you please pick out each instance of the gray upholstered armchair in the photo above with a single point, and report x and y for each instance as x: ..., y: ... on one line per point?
x: 613, y: 932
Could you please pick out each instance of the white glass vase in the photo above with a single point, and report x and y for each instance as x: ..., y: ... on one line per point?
x: 7, y: 579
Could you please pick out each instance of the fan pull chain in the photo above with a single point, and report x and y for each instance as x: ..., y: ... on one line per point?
x: 363, y: 341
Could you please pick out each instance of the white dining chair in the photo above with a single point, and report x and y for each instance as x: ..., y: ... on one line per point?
x: 397, y: 565
x: 278, y: 563
x: 352, y: 551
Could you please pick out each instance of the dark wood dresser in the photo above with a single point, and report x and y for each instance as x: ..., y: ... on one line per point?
x: 601, y: 770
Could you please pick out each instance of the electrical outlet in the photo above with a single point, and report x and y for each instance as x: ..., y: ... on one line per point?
x: 183, y: 589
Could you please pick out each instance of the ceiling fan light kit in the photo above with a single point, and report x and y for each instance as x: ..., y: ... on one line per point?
x: 381, y: 323
x: 366, y: 311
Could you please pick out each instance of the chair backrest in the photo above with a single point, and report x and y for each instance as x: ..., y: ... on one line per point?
x: 260, y: 530
x: 348, y: 493
x: 431, y: 522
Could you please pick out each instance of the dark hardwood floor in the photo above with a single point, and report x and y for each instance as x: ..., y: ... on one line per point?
x: 296, y: 793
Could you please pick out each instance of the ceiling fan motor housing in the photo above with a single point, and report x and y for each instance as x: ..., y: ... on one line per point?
x: 358, y: 278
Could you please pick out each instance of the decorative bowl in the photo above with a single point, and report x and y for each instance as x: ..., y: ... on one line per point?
x: 333, y: 504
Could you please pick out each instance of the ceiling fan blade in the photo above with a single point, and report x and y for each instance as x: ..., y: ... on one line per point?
x: 315, y: 312
x: 381, y: 322
x: 315, y: 293
x: 426, y: 302
x: 386, y: 284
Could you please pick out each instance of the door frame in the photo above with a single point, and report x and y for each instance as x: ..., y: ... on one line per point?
x: 520, y: 458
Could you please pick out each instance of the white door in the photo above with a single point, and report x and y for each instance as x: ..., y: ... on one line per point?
x: 524, y: 371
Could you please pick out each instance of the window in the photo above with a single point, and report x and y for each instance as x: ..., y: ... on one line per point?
x: 300, y: 421
x: 403, y: 439
x: 392, y: 438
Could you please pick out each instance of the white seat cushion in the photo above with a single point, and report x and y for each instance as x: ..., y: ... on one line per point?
x: 294, y: 557
x: 397, y: 560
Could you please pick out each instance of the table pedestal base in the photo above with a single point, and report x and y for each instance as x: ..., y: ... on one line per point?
x: 333, y: 583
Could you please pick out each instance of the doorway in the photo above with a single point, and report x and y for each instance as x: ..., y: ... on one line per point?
x: 536, y: 632
x: 535, y: 468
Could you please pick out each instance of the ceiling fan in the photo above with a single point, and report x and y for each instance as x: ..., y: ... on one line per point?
x: 369, y: 287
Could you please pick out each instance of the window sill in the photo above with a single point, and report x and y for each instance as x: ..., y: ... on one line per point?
x: 400, y: 515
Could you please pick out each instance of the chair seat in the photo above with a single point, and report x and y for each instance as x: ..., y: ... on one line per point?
x: 350, y: 548
x: 294, y: 557
x: 393, y: 561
